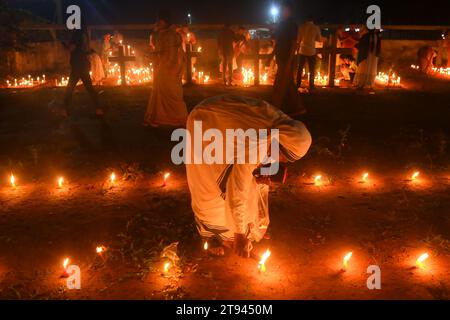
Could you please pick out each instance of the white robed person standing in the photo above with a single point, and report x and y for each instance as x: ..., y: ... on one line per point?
x: 229, y: 203
x: 166, y: 106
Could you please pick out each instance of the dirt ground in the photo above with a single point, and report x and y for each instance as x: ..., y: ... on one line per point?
x: 387, y: 221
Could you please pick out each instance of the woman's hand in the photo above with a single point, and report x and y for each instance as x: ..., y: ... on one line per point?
x: 242, y: 245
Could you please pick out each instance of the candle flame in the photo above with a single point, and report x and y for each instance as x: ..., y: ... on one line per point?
x: 66, y: 263
x: 365, y: 176
x: 415, y: 176
x: 167, y: 266
x: 318, y: 180
x: 347, y: 258
x: 262, y: 263
x: 113, y: 177
x: 205, y: 246
x: 12, y: 179
x: 420, y: 261
x: 100, y: 249
x: 166, y: 177
x: 60, y: 182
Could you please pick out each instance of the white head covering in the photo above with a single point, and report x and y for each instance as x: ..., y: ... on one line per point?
x: 294, y: 139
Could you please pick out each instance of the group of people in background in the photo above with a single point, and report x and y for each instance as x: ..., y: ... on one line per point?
x: 429, y: 58
x: 293, y: 48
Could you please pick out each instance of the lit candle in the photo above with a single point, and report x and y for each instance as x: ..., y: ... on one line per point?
x: 262, y: 263
x: 65, y: 265
x: 420, y: 261
x: 166, y: 178
x: 205, y: 246
x: 318, y: 180
x: 113, y: 178
x: 100, y: 250
x: 60, y: 182
x: 365, y: 177
x: 12, y: 179
x: 347, y: 258
x: 415, y: 176
x: 167, y: 267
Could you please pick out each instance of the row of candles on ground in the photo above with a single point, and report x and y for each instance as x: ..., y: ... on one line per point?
x: 386, y: 79
x: 61, y: 181
x: 321, y: 80
x: 319, y: 180
x: 134, y: 76
x: 420, y: 262
x: 27, y: 82
x: 167, y: 266
x: 444, y: 72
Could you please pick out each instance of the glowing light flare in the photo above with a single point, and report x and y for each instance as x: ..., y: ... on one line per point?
x: 112, y: 178
x: 66, y: 262
x: 167, y: 267
x: 205, y: 246
x: 318, y: 180
x: 12, y: 180
x: 346, y: 260
x: 60, y: 182
x: 415, y: 176
x: 100, y: 250
x: 365, y: 177
x: 420, y: 263
x: 262, y: 262
x: 166, y: 178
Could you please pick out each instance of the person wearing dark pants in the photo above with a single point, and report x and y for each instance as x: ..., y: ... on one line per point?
x: 312, y: 69
x: 308, y: 35
x: 227, y: 60
x: 80, y: 68
x: 225, y: 42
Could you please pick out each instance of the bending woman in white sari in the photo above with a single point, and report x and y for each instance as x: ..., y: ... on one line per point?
x: 229, y: 203
x: 369, y: 49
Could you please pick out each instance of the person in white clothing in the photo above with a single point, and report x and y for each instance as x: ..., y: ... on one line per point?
x: 229, y: 202
x: 308, y: 35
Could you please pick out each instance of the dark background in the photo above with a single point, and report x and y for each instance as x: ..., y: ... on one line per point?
x: 245, y: 11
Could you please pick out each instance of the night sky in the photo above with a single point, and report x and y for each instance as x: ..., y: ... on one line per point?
x: 246, y: 11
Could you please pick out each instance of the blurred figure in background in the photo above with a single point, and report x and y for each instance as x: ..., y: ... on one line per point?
x: 106, y: 51
x: 225, y: 42
x: 80, y: 67
x: 97, y: 70
x: 285, y: 95
x: 308, y: 36
x: 425, y: 57
x: 166, y: 106
x: 369, y: 50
